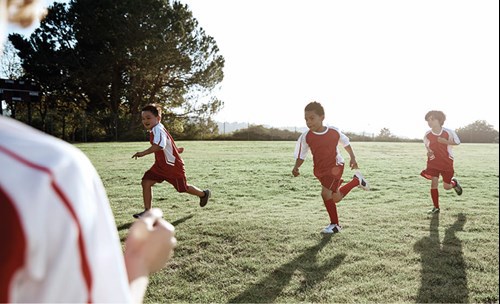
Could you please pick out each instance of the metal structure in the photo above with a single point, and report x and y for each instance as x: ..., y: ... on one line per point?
x: 19, y: 91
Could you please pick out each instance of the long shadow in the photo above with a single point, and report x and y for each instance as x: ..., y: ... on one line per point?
x: 444, y: 279
x: 269, y: 288
x: 174, y: 223
x: 182, y: 220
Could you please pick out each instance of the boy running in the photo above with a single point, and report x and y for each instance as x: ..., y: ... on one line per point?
x: 438, y: 141
x: 328, y: 163
x: 168, y: 165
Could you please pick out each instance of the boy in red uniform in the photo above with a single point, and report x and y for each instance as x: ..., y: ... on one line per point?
x: 438, y: 141
x: 328, y: 163
x: 168, y: 165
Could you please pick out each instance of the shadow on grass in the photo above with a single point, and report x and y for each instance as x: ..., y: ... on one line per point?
x: 269, y: 288
x: 127, y: 226
x: 182, y: 220
x: 444, y: 278
x: 124, y: 226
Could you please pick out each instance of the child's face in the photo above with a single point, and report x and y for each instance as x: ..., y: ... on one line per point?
x: 314, y: 121
x: 149, y: 120
x: 433, y: 123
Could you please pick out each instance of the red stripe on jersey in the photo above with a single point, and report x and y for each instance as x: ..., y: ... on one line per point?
x: 81, y: 245
x: 12, y: 233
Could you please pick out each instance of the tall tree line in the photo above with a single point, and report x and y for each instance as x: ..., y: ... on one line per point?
x: 99, y: 61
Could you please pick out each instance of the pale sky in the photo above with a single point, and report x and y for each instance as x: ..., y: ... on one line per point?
x: 373, y: 64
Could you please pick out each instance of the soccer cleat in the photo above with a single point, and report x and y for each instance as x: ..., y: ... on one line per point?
x: 457, y: 188
x: 138, y: 215
x: 204, y: 200
x: 332, y: 228
x: 433, y: 211
x: 363, y: 183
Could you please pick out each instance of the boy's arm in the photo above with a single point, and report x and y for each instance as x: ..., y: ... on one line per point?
x: 352, y: 162
x: 452, y: 140
x: 445, y: 141
x: 298, y: 163
x: 152, y: 149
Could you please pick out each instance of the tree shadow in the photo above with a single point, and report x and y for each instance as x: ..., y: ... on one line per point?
x: 269, y: 288
x: 444, y: 278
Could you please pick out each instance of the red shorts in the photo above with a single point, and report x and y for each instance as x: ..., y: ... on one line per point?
x: 429, y: 173
x: 334, y: 180
x: 180, y: 184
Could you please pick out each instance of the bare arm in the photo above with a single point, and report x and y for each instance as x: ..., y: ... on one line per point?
x: 298, y: 163
x: 149, y: 150
x: 352, y: 162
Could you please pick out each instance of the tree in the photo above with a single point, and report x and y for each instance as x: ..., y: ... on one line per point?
x: 110, y: 58
x: 10, y: 65
x: 10, y: 68
x: 385, y: 135
x: 478, y: 132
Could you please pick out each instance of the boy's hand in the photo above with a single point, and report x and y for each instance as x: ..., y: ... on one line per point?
x: 430, y: 154
x: 353, y: 164
x: 295, y: 172
x: 443, y: 140
x: 138, y: 154
x: 180, y: 150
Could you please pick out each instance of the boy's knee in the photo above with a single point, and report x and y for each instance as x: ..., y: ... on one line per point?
x: 147, y: 183
x: 326, y: 196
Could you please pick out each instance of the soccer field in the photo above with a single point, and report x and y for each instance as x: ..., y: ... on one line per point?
x: 258, y: 238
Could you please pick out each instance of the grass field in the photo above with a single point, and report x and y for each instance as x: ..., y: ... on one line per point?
x: 258, y: 238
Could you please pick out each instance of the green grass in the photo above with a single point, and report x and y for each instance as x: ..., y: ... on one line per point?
x: 258, y: 238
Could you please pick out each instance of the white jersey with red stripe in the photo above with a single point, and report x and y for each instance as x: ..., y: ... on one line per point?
x: 324, y: 148
x: 58, y: 235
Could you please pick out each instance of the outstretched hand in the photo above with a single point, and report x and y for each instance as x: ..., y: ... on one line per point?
x: 138, y: 154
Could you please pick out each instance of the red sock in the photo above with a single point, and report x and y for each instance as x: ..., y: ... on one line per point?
x: 435, y: 197
x: 331, y: 207
x: 349, y: 186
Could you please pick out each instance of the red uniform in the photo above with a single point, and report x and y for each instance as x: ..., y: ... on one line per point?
x: 168, y: 165
x: 327, y: 160
x: 441, y: 162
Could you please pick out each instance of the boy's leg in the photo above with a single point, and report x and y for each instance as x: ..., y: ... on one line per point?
x: 450, y: 182
x: 147, y: 195
x: 435, y: 194
x: 331, y: 208
x: 193, y: 190
x: 204, y: 195
x: 147, y: 192
x: 357, y: 180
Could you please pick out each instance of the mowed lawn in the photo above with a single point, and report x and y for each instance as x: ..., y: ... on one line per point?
x: 258, y: 238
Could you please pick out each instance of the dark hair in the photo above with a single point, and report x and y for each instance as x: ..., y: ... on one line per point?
x: 439, y: 115
x: 153, y: 108
x: 316, y: 107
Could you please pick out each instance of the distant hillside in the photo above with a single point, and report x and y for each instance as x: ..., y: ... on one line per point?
x: 230, y: 127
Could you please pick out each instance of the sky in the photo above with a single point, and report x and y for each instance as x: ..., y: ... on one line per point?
x: 372, y: 64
